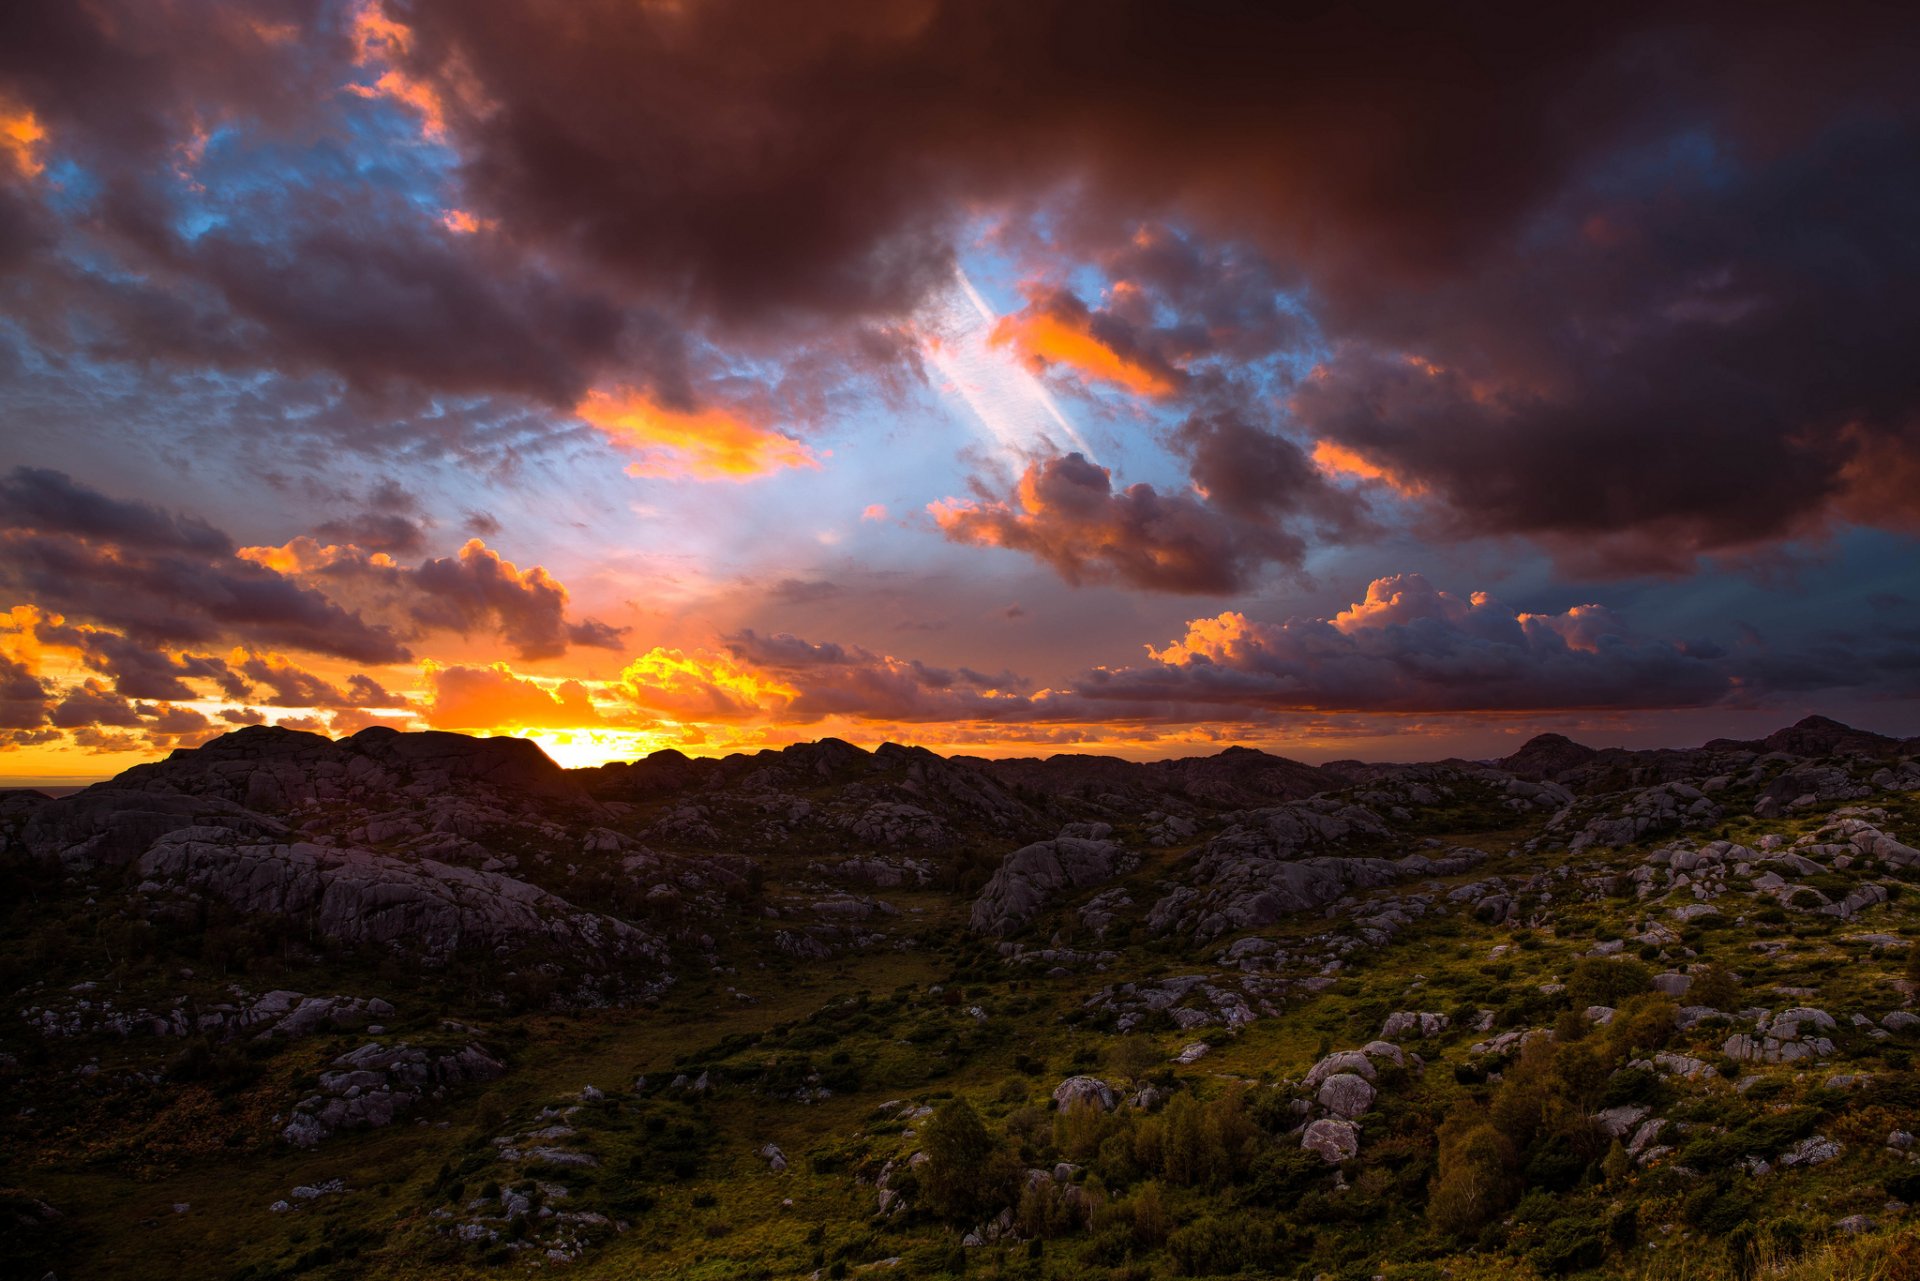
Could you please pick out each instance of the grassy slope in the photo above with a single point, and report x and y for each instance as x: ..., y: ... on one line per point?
x: 728, y: 1220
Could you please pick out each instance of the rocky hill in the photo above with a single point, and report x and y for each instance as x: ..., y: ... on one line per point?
x: 423, y: 1004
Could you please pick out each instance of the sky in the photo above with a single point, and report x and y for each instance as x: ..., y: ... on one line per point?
x: 1005, y: 376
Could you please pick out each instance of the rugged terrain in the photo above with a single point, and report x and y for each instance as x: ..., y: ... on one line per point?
x: 425, y: 1005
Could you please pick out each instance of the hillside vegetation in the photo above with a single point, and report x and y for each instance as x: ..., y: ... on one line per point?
x: 420, y: 1005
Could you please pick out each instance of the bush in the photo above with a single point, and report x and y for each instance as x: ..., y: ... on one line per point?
x: 1211, y: 1245
x: 1630, y: 1085
x: 1716, y: 986
x: 1472, y: 1183
x: 1569, y: 1245
x: 1601, y: 980
x: 969, y: 1172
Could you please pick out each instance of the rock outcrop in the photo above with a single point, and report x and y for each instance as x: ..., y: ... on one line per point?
x: 373, y: 1085
x: 1032, y: 877
x: 357, y: 896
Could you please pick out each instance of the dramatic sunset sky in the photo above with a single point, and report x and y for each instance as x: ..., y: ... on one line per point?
x: 1008, y: 378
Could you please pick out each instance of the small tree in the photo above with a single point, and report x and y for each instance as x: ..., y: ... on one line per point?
x: 1135, y: 1056
x: 1617, y: 1165
x: 1604, y: 980
x: 968, y: 1172
x: 1714, y: 986
x: 1473, y: 1182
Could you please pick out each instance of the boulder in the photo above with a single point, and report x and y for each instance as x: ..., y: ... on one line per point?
x: 1084, y: 1091
x: 1406, y: 1024
x: 1335, y: 1140
x: 1354, y: 1061
x: 1346, y: 1094
x: 1816, y: 1150
x: 1619, y: 1122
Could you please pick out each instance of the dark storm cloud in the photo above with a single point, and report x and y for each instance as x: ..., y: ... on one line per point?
x: 477, y: 590
x: 482, y: 524
x: 366, y: 288
x: 474, y: 591
x: 124, y: 77
x: 161, y: 578
x: 765, y: 156
x: 1660, y: 252
x: 1411, y: 647
x: 142, y: 671
x: 1405, y: 647
x: 1066, y: 513
x: 850, y: 680
x: 176, y: 599
x: 1705, y: 368
x: 1654, y: 259
x: 376, y: 531
x: 1228, y: 298
x: 389, y: 521
x: 91, y: 703
x: 54, y: 503
x: 98, y: 719
x: 320, y: 266
x: 24, y: 697
x: 278, y: 682
x: 1251, y: 473
x: 594, y: 634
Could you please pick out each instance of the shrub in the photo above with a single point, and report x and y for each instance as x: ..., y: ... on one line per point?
x: 1601, y: 980
x: 1716, y: 986
x: 969, y: 1172
x: 490, y: 1113
x: 1472, y: 1184
x: 1630, y: 1085
x: 1569, y: 1245
x: 1213, y: 1245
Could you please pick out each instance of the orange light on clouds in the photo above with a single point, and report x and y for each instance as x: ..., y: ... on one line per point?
x: 378, y: 37
x: 1209, y: 639
x: 495, y: 698
x: 705, y: 444
x: 305, y: 555
x: 462, y: 223
x: 379, y: 41
x: 702, y: 685
x: 1047, y: 339
x: 21, y: 134
x: 413, y: 92
x: 1338, y: 460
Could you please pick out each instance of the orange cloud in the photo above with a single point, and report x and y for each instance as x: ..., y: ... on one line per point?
x: 1403, y: 598
x: 1054, y: 337
x: 462, y: 223
x: 1339, y: 460
x: 702, y: 685
x: 495, y: 698
x: 305, y: 554
x: 378, y: 37
x: 378, y: 42
x: 413, y: 92
x: 20, y: 635
x: 21, y: 134
x: 1215, y: 640
x: 1880, y: 483
x: 707, y: 444
x: 874, y: 511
